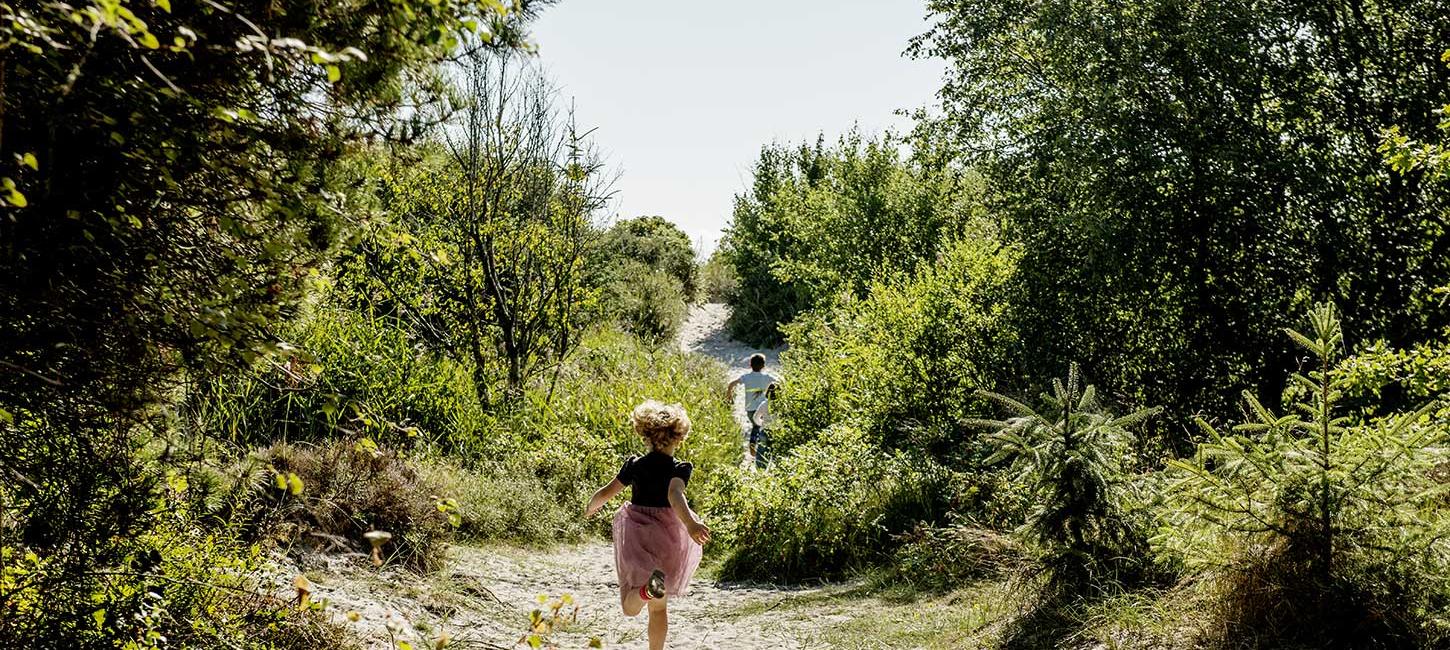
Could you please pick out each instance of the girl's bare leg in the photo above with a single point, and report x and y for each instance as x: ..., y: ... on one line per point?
x: 659, y: 623
x: 629, y: 600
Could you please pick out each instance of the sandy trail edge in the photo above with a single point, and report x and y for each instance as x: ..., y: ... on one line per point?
x: 484, y: 598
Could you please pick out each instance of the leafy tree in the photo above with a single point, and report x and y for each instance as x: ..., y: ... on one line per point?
x: 516, y: 219
x: 1076, y: 454
x: 652, y: 241
x: 1183, y: 175
x: 819, y: 221
x: 174, y: 180
x: 1354, y: 503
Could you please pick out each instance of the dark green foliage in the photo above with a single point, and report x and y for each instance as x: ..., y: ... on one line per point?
x: 654, y: 242
x: 1077, y: 456
x: 820, y: 221
x: 1185, y: 176
x: 174, y: 179
x: 1340, y: 519
x: 802, y: 521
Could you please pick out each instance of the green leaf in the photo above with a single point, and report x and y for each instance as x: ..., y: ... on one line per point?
x: 6, y: 417
x: 29, y: 161
x: 334, y: 73
x: 165, y: 5
x: 149, y: 41
x: 17, y: 199
x: 99, y: 616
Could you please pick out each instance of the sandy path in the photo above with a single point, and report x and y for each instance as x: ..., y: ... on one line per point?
x: 704, y: 332
x: 483, y: 598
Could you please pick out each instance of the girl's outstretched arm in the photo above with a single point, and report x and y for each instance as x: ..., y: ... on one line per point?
x: 697, y: 529
x: 602, y: 496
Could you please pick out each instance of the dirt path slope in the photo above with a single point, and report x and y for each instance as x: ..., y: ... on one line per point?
x: 704, y: 332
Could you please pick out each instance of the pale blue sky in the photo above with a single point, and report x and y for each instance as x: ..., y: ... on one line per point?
x: 685, y: 92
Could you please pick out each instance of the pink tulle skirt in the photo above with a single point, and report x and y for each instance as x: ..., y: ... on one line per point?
x: 648, y: 538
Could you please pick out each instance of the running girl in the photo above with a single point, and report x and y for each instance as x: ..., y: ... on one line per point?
x: 657, y: 538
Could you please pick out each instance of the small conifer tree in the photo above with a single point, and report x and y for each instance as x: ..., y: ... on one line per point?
x: 1075, y: 454
x: 1345, y: 512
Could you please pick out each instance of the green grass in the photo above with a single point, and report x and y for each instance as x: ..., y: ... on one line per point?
x: 1003, y: 613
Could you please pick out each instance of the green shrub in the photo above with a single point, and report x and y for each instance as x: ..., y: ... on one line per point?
x: 647, y: 303
x: 328, y: 496
x: 1338, y: 522
x: 513, y: 500
x: 904, y: 363
x: 718, y: 280
x: 353, y: 375
x: 180, y: 585
x: 1076, y: 456
x: 653, y: 242
x: 829, y: 507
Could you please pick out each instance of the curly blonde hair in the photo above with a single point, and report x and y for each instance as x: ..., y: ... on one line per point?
x: 660, y: 424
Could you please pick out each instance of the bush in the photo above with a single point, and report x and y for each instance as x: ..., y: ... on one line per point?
x: 647, y: 303
x: 904, y: 363
x: 830, y: 507
x: 653, y: 242
x: 718, y: 281
x: 328, y: 496
x: 520, y: 499
x: 1075, y: 454
x: 940, y: 558
x: 353, y: 375
x: 179, y: 586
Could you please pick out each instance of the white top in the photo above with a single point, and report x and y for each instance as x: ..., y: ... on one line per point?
x: 755, y: 384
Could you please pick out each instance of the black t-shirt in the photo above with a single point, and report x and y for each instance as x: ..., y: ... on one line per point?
x: 648, y: 477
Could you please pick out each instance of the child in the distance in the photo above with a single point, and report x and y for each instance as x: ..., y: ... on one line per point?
x: 657, y: 538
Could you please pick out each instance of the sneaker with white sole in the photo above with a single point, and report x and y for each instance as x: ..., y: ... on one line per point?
x: 656, y: 586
